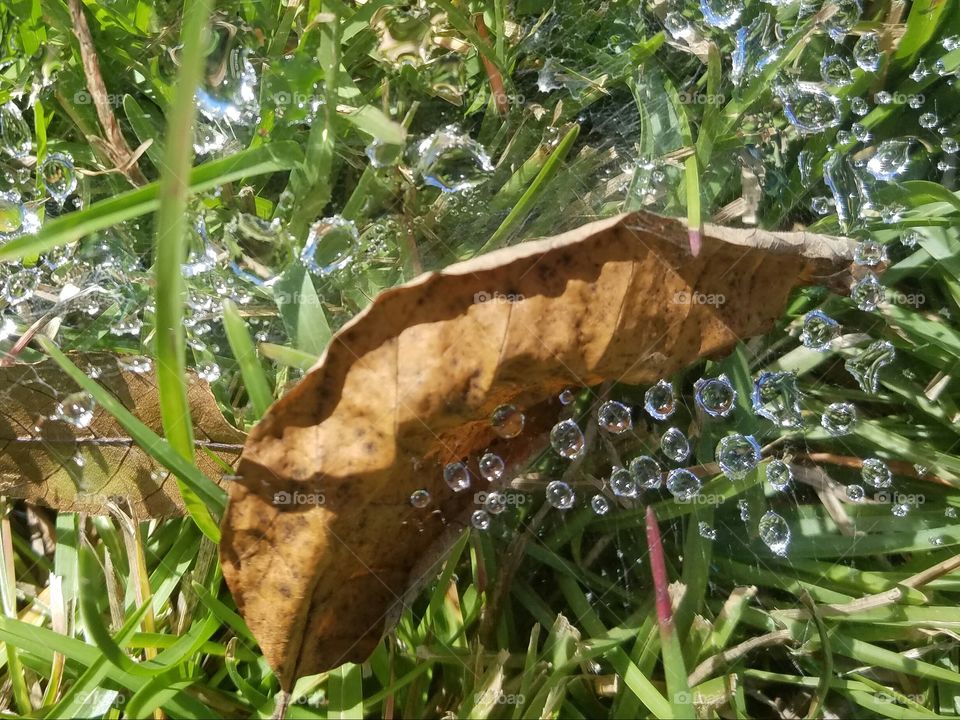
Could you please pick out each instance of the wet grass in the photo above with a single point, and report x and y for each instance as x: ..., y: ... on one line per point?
x: 548, y: 614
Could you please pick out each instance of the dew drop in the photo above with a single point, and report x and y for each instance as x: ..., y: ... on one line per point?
x: 779, y: 475
x: 744, y: 508
x: 495, y: 503
x: 819, y: 331
x: 865, y: 366
x: 900, y: 509
x: 382, y: 154
x: 775, y: 532
x: 560, y: 495
x: 332, y: 244
x: 855, y: 493
x: 614, y: 417
x: 491, y: 467
x: 808, y: 107
x: 20, y: 286
x: 456, y: 476
x: 229, y: 94
x: 890, y: 160
x: 480, y: 520
x: 776, y: 398
x: 138, y: 364
x: 15, y: 218
x: 721, y: 13
x: 683, y: 484
x: 674, y: 445
x: 210, y: 372
x: 867, y: 52
x: 567, y: 439
x: 706, y: 531
x: 715, y: 396
x: 859, y: 106
x: 737, y: 455
x: 566, y: 397
x: 920, y: 72
x: 15, y: 138
x: 835, y: 71
x: 76, y: 409
x: 451, y: 161
x: 623, y: 483
x: 507, y: 421
x: 59, y: 176
x: 928, y: 121
x: 659, y: 401
x: 870, y: 253
x: 839, y: 418
x: 876, y: 474
x: 600, y: 505
x: 420, y: 498
x: 646, y: 472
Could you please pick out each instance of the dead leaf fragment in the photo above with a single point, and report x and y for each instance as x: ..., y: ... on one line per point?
x: 409, y: 385
x: 51, y: 462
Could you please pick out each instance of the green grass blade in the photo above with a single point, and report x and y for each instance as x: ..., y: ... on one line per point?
x: 254, y: 378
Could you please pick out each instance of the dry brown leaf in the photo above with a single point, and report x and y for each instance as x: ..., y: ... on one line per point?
x: 409, y: 385
x: 51, y: 462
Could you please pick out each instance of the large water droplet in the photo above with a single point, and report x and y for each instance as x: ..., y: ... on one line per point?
x: 76, y: 409
x: 867, y: 292
x: 560, y: 495
x: 507, y: 421
x: 737, y: 455
x: 808, y: 107
x: 843, y: 20
x: 865, y: 366
x: 715, y: 396
x: 622, y: 483
x: 867, y: 52
x: 875, y: 473
x: 779, y: 475
x: 15, y: 218
x: 567, y: 439
x: 456, y: 476
x: 331, y: 245
x: 819, y: 331
x: 835, y: 71
x: 850, y: 194
x: 20, y: 286
x: 776, y: 398
x: 750, y: 46
x: 491, y: 467
x: 646, y: 472
x: 15, y: 138
x: 674, y: 445
x: 721, y: 13
x: 614, y: 417
x: 228, y: 92
x: 382, y: 154
x: 451, y: 161
x: 891, y: 159
x: 59, y: 176
x: 683, y: 484
x: 775, y: 532
x: 839, y: 418
x: 659, y: 401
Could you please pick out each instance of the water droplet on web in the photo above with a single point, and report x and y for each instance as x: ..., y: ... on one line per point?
x: 76, y: 409
x: 744, y: 508
x: 600, y: 505
x: 567, y: 439
x: 843, y: 20
x: 622, y: 483
x: 721, y: 13
x: 737, y: 455
x: 420, y: 498
x: 332, y: 244
x: 228, y: 92
x: 922, y: 470
x: 495, y: 503
x: 940, y: 67
x: 855, y: 493
x: 776, y: 398
x: 910, y: 238
x: 839, y: 418
x: 900, y: 509
x: 847, y: 187
x: 861, y: 133
x: 209, y: 372
x: 928, y: 120
x: 491, y: 467
x: 659, y: 401
x: 875, y: 473
x: 920, y: 72
x: 865, y: 366
x: 566, y: 397
x: 805, y: 165
x: 950, y: 512
x: 683, y: 484
x: 451, y: 161
x: 456, y: 476
x: 859, y: 106
x: 867, y: 292
x: 383, y: 154
x: 915, y: 101
x: 614, y: 417
x: 808, y: 107
x: 890, y: 160
x: 59, y: 176
x: 677, y: 26
x: 480, y: 520
x: 706, y: 531
x: 751, y: 48
x: 949, y: 145
x: 15, y: 218
x: 20, y: 286
x: 870, y: 253
x: 15, y: 138
x: 775, y: 532
x: 867, y: 52
x: 950, y: 43
x: 646, y: 472
x: 835, y: 71
x: 779, y: 475
x: 674, y: 445
x: 560, y: 495
x: 715, y: 396
x: 507, y: 421
x: 819, y: 331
